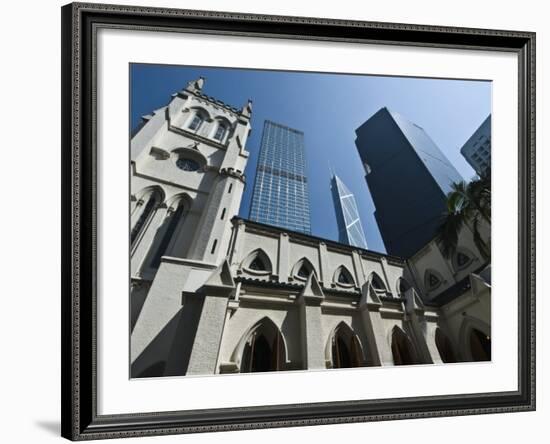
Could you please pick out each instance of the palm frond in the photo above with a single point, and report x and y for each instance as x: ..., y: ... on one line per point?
x: 465, y: 202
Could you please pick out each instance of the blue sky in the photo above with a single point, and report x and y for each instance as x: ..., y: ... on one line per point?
x: 327, y: 108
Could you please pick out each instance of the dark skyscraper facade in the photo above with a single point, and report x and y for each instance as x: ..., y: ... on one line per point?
x: 350, y: 229
x: 280, y: 195
x: 477, y: 149
x: 408, y: 178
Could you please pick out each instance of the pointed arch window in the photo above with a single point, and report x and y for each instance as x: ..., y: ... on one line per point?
x: 172, y: 221
x: 303, y: 269
x: 343, y: 277
x: 150, y: 202
x: 257, y: 263
x: 377, y: 282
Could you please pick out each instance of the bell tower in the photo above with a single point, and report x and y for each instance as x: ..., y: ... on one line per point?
x: 186, y: 165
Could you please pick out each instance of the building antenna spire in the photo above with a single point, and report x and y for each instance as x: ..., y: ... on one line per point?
x: 331, y: 169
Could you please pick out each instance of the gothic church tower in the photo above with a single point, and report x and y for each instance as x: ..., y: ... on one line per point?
x: 187, y: 162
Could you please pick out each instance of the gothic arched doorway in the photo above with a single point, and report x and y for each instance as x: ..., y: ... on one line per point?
x: 444, y: 347
x: 480, y: 345
x: 346, y: 348
x: 264, y: 350
x: 402, y: 348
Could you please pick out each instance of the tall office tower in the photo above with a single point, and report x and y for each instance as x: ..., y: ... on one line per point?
x: 408, y: 177
x: 350, y: 229
x: 477, y: 150
x: 280, y: 197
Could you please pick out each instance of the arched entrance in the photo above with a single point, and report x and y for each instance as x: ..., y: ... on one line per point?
x: 444, y: 347
x: 480, y: 345
x: 402, y: 348
x: 264, y: 349
x: 346, y: 348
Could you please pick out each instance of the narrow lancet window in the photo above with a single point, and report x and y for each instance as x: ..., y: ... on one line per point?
x: 152, y: 200
x: 172, y: 222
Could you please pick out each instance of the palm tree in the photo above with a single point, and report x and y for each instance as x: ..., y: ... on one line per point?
x: 467, y: 203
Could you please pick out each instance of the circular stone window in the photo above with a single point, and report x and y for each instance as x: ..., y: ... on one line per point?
x: 187, y: 164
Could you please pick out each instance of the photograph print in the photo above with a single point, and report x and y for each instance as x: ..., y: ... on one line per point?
x: 283, y: 221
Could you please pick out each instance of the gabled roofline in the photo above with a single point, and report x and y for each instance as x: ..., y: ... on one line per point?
x: 328, y: 242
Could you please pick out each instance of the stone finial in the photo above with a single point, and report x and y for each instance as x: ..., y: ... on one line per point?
x: 412, y: 301
x: 312, y: 290
x: 368, y: 295
x: 196, y: 85
x: 247, y: 109
x: 220, y: 281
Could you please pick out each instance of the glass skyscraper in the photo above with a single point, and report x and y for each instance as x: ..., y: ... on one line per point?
x: 280, y: 195
x: 408, y: 178
x: 350, y: 229
x: 477, y: 150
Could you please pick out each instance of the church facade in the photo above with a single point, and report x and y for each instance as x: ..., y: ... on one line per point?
x: 213, y: 293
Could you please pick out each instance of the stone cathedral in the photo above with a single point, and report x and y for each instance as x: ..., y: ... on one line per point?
x: 214, y: 293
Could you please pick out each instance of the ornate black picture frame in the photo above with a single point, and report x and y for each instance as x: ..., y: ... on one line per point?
x: 80, y: 23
